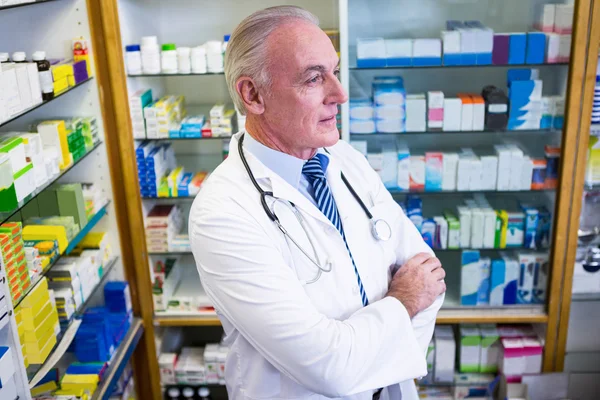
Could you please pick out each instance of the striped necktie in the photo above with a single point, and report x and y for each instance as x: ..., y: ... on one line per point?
x: 313, y: 170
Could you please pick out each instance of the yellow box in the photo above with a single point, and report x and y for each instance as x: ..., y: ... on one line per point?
x: 37, y: 294
x: 61, y: 71
x: 38, y: 346
x: 40, y: 357
x: 40, y: 232
x: 502, y: 215
x: 61, y: 85
x: 21, y: 331
x: 71, y: 80
x: 92, y: 240
x: 31, y: 323
x: 32, y: 313
x: 35, y: 335
x: 79, y: 393
x: 54, y: 133
x: 25, y: 361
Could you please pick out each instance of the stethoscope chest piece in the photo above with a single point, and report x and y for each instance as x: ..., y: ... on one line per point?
x: 381, y: 230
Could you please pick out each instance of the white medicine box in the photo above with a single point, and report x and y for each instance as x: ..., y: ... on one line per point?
x: 7, y: 368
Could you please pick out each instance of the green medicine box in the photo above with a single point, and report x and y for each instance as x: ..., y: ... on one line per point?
x: 470, y: 348
x: 48, y: 203
x: 71, y: 203
x: 8, y: 194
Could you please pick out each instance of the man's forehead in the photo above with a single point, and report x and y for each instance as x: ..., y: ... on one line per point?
x: 301, y: 44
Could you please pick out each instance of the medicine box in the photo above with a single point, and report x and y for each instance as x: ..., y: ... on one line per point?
x: 489, y: 228
x: 7, y: 366
x: 532, y: 354
x: 536, y: 48
x: 531, y: 226
x: 515, y: 233
x: 490, y: 349
x: 453, y: 231
x: 427, y: 52
x: 470, y: 277
x: 517, y: 48
x: 433, y: 171
x: 503, y: 288
x: 435, y: 113
x: 526, y: 278
x: 451, y: 48
x: 512, y: 361
x: 477, y: 224
x: 445, y: 354
x: 540, y: 279
x: 464, y: 217
x: 467, y: 110
x: 404, y: 168
x: 370, y: 52
x: 545, y: 19
x: 417, y: 172
x: 449, y: 173
x: 483, y: 292
x: 398, y: 52
x: 416, y: 113
x: 452, y: 114
x: 470, y: 348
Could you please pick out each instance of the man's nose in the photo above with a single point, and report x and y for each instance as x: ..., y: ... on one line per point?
x: 337, y: 94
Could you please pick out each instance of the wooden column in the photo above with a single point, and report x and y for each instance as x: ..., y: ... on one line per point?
x: 108, y: 55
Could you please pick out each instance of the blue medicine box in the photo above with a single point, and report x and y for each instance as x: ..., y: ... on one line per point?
x: 517, y: 48
x: 536, y: 48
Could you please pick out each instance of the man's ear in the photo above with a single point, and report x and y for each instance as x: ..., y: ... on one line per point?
x: 250, y: 95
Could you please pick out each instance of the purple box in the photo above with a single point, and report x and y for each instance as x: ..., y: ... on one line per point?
x: 501, y: 48
x: 80, y: 71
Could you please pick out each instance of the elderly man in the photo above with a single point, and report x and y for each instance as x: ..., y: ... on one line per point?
x: 324, y: 287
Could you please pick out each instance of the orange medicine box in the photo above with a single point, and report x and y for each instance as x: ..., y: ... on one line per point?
x: 466, y: 119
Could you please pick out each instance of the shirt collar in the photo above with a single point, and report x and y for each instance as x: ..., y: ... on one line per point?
x: 286, y: 166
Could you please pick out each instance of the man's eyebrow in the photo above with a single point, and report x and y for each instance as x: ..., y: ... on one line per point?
x: 318, y: 68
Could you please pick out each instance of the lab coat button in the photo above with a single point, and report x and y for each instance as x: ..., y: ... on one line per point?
x: 331, y: 230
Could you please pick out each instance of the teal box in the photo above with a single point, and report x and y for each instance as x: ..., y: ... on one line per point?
x: 470, y: 277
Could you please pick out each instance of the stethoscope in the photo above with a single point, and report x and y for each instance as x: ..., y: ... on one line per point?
x: 380, y: 229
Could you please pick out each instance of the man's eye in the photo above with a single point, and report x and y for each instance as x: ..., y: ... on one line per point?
x: 337, y: 73
x: 315, y: 79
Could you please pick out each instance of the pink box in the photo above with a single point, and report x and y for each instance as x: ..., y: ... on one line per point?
x: 532, y: 350
x: 512, y: 358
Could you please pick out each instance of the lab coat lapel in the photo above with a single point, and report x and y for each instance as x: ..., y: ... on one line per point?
x: 344, y: 200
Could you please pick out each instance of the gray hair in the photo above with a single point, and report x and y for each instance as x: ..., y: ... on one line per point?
x: 246, y: 50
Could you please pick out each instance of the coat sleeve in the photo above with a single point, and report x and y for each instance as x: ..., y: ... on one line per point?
x: 247, y: 279
x: 409, y: 243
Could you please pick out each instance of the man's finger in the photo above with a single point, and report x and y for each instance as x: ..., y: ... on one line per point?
x: 419, y: 258
x: 439, y: 273
x: 432, y: 264
x: 441, y: 287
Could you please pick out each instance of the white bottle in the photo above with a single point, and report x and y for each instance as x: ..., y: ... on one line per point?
x: 133, y: 59
x: 168, y: 59
x: 183, y: 60
x: 150, y: 55
x: 198, y: 56
x: 214, y: 56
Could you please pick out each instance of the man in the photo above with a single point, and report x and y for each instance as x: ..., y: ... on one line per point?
x: 304, y: 280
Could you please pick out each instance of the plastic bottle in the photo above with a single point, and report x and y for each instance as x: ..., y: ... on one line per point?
x: 150, y: 55
x: 3, y: 57
x: 19, y: 57
x: 199, y: 60
x: 204, y: 394
x: 168, y: 59
x: 214, y: 56
x: 173, y: 393
x: 188, y: 393
x: 133, y: 59
x: 46, y: 81
x: 183, y: 60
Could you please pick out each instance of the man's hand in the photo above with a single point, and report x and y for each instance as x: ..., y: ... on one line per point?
x: 418, y: 283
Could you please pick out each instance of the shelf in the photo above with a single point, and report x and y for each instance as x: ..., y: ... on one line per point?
x: 189, y: 319
x: 91, y: 223
x: 191, y: 138
x: 169, y: 253
x: 441, y: 192
x: 489, y: 249
x: 517, y: 314
x: 56, y: 96
x: 585, y: 297
x: 120, y: 361
x: 163, y: 75
x: 4, y: 216
x: 356, y: 68
x: 181, y: 198
x: 29, y: 3
x: 487, y: 132
x: 459, y: 315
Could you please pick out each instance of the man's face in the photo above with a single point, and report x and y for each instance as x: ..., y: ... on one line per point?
x: 301, y: 105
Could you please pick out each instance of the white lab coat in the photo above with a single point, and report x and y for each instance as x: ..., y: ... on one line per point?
x: 291, y: 340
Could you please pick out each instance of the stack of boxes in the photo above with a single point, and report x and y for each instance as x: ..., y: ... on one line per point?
x: 154, y: 160
x: 165, y: 278
x: 163, y: 223
x: 22, y: 172
x: 94, y: 199
x: 96, y: 245
x: 37, y: 323
x: 194, y: 365
x: 137, y: 102
x: 15, y: 262
x: 19, y: 88
x: 482, y: 350
x: 8, y: 389
x: 472, y: 43
x: 82, y: 64
x: 103, y: 328
x: 221, y: 120
x: 504, y: 168
x: 34, y: 153
x: 163, y: 116
x: 191, y: 127
x: 54, y: 135
x: 435, y: 111
x: 504, y: 281
x: 556, y: 21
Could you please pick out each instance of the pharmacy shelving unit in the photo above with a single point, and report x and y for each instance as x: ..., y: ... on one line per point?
x: 416, y: 19
x: 51, y: 25
x: 188, y: 23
